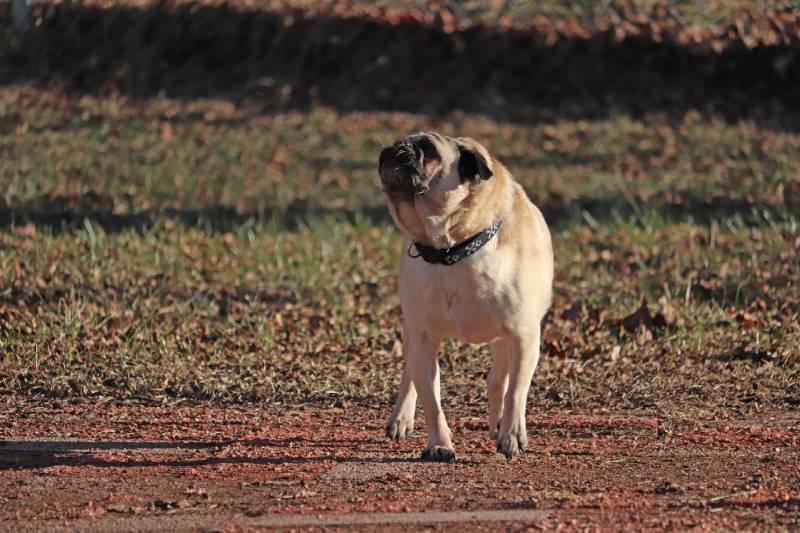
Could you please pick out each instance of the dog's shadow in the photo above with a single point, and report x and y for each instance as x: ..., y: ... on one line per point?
x: 37, y: 454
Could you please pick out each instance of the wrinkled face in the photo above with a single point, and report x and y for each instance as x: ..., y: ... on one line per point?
x: 425, y: 162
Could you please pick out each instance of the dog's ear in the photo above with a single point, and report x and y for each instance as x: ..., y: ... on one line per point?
x: 471, y: 163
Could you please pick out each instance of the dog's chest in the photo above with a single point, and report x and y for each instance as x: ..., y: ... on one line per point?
x: 468, y: 301
x: 472, y: 318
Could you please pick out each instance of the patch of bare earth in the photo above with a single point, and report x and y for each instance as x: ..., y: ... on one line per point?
x: 132, y: 467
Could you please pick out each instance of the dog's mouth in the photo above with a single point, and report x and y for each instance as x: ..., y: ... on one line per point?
x: 402, y: 167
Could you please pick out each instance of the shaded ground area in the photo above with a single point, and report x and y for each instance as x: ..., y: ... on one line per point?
x: 429, y: 60
x: 111, y: 467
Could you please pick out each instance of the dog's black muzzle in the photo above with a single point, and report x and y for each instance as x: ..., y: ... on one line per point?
x: 399, y: 168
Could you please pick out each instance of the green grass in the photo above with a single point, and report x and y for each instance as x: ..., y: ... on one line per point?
x: 285, y: 289
x: 168, y: 154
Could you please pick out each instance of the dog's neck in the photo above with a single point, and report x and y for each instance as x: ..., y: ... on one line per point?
x: 439, y: 214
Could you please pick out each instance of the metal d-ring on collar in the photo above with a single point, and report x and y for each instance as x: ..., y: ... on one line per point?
x: 457, y: 252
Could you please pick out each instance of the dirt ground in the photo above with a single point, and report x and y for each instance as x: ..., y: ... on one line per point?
x: 90, y: 466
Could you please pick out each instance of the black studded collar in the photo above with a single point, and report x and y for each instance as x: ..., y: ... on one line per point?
x: 457, y: 252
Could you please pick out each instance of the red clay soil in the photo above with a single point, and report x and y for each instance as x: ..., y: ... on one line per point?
x: 132, y: 467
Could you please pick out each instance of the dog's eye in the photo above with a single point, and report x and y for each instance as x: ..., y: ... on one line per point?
x: 428, y: 149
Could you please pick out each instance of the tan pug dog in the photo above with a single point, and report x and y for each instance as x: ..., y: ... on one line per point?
x: 477, y: 264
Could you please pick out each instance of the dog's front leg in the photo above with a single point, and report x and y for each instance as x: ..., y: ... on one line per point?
x: 401, y: 421
x: 421, y: 359
x: 513, y: 437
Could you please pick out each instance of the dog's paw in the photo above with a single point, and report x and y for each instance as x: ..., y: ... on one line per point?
x: 494, y: 430
x: 438, y: 453
x: 399, y: 427
x: 512, y: 444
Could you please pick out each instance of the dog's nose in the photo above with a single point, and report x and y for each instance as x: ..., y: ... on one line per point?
x: 405, y: 152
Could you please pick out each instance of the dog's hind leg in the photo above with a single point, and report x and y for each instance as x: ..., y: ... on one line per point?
x: 513, y: 437
x: 497, y: 384
x: 401, y: 421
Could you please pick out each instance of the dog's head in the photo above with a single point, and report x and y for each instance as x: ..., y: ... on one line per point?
x: 426, y: 162
x: 429, y: 174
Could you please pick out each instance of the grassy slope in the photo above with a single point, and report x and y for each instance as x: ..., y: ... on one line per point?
x: 289, y: 291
